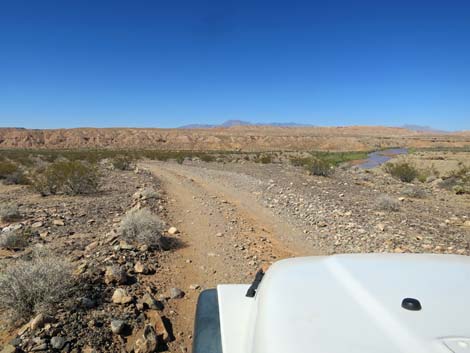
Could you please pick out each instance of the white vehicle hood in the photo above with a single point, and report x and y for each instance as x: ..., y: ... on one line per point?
x: 353, y: 304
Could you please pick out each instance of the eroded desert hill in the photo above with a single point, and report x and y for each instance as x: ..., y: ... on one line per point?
x: 246, y: 138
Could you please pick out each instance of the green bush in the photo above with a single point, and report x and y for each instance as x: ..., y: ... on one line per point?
x: 462, y: 178
x: 403, y: 171
x: 67, y: 177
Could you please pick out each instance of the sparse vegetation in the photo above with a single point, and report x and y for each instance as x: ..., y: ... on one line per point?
x: 387, y: 203
x: 122, y: 162
x: 321, y: 167
x: 68, y: 177
x: 9, y: 212
x: 403, y: 171
x: 414, y: 192
x: 13, y: 239
x: 462, y: 180
x: 142, y: 227
x: 32, y: 286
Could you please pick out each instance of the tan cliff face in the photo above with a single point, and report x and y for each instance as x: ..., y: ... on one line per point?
x: 246, y: 138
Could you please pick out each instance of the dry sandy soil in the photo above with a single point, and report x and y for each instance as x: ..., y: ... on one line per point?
x: 234, y: 218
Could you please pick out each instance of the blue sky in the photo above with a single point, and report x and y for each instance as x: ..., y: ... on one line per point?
x: 170, y: 63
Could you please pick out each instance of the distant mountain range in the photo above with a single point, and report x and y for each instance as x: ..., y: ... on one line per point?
x: 230, y: 123
x: 423, y: 128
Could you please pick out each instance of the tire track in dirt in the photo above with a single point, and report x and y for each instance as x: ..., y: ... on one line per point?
x: 226, y: 237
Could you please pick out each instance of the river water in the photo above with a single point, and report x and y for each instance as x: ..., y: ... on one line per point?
x: 374, y: 159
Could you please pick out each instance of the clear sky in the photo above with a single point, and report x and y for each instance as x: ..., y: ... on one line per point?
x: 71, y: 63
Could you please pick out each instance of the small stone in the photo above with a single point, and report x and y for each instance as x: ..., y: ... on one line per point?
x: 58, y: 222
x: 158, y: 324
x: 145, y: 340
x: 118, y: 326
x: 39, y: 321
x: 124, y: 245
x: 150, y: 302
x: 140, y: 268
x: 92, y: 246
x: 88, y: 303
x: 176, y: 293
x: 466, y: 224
x: 194, y: 286
x: 380, y: 227
x: 37, y: 225
x: 120, y: 296
x: 218, y: 235
x: 58, y: 342
x: 173, y: 230
x: 115, y: 274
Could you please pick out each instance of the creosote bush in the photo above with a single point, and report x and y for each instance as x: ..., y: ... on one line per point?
x: 9, y: 212
x: 142, y: 227
x: 67, y: 177
x: 403, y: 171
x: 32, y: 286
x: 387, y: 203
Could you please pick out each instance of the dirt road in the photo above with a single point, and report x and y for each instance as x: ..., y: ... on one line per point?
x: 226, y: 235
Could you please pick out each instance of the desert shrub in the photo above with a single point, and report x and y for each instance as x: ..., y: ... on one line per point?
x: 11, y: 173
x: 301, y: 161
x: 7, y: 168
x: 16, y: 178
x: 9, y: 212
x: 266, y: 159
x: 68, y: 177
x: 122, y: 162
x: 415, y: 192
x: 321, y: 167
x: 403, y: 171
x: 149, y: 193
x: 180, y: 159
x: 207, y: 158
x: 142, y: 227
x: 462, y: 180
x: 13, y: 239
x: 28, y: 287
x: 387, y: 203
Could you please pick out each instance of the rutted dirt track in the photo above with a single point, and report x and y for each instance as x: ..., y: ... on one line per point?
x: 226, y: 235
x: 234, y: 218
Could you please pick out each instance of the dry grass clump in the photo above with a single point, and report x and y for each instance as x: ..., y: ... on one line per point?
x: 149, y: 193
x: 387, y: 203
x: 28, y: 287
x: 13, y: 239
x: 142, y: 227
x: 67, y: 177
x: 414, y: 192
x: 9, y: 212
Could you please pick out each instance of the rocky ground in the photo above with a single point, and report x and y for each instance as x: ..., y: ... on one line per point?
x: 121, y: 289
x: 228, y: 221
